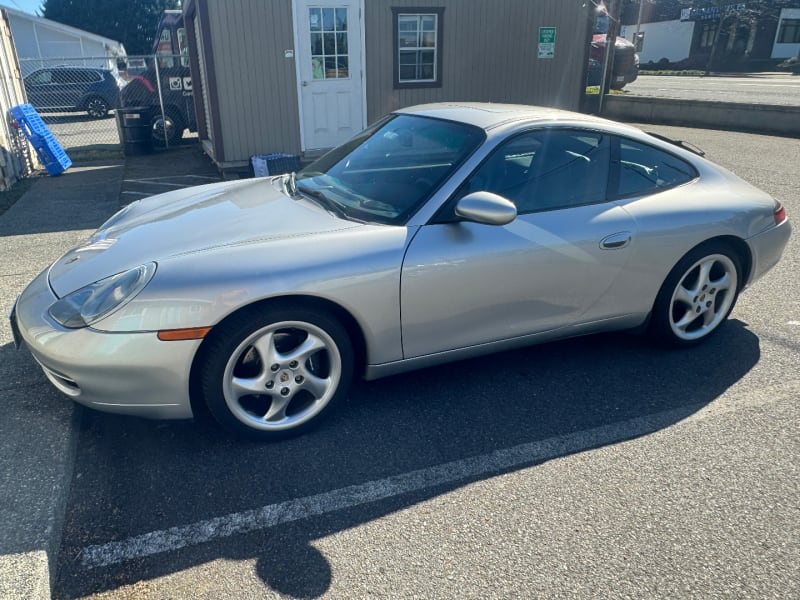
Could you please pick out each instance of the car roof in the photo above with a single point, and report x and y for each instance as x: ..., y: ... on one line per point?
x: 72, y: 68
x: 487, y: 115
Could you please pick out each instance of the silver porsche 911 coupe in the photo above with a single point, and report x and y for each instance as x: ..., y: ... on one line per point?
x: 441, y: 232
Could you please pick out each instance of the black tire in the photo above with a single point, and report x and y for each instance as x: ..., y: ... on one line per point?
x: 705, y: 284
x: 167, y: 128
x: 298, y: 387
x: 96, y: 107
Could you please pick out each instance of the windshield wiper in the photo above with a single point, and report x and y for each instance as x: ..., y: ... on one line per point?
x: 290, y: 181
x: 325, y: 202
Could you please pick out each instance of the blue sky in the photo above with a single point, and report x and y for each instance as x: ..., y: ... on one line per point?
x: 28, y: 6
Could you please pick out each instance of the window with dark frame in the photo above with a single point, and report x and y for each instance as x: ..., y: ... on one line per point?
x: 707, y: 35
x: 417, y: 47
x: 789, y: 32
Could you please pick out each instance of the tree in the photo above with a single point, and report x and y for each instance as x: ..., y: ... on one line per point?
x: 132, y: 22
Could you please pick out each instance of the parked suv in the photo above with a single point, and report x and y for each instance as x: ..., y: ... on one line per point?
x: 74, y: 89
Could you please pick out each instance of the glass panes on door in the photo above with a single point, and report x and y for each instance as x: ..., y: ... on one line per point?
x: 417, y: 40
x: 329, y: 53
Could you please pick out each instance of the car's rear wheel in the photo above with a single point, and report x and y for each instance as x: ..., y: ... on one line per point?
x: 96, y: 107
x: 273, y: 374
x: 166, y: 128
x: 698, y: 295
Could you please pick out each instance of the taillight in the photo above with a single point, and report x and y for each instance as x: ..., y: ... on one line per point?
x: 779, y: 214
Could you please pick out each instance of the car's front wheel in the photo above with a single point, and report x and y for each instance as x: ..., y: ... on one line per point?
x: 698, y: 295
x: 273, y: 374
x: 96, y: 107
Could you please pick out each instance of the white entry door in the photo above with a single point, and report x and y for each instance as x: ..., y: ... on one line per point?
x: 329, y: 54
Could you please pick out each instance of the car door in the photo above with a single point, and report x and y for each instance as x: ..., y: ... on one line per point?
x: 73, y: 85
x: 466, y: 283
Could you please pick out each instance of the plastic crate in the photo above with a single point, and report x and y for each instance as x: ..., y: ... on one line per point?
x: 28, y: 119
x: 274, y: 164
x: 47, y: 148
x: 50, y: 153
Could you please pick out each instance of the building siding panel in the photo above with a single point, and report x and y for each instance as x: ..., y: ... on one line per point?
x: 489, y: 53
x: 258, y: 112
x: 488, y: 50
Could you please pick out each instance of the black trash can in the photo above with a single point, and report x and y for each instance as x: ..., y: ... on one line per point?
x: 133, y: 126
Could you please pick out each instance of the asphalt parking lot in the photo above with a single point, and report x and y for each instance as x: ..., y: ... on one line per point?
x: 599, y: 467
x: 596, y: 467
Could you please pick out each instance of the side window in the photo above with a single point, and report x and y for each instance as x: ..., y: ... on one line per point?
x: 545, y: 170
x: 571, y: 171
x: 645, y: 170
x: 63, y: 77
x: 183, y: 47
x: 82, y: 76
x: 42, y: 77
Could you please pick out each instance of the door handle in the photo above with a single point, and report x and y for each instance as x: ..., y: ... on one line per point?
x: 615, y: 241
x: 305, y: 84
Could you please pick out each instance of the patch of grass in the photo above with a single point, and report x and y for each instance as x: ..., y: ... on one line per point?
x: 95, y: 155
x: 595, y: 90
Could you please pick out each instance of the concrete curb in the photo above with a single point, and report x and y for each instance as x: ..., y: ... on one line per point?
x: 39, y: 428
x: 767, y: 119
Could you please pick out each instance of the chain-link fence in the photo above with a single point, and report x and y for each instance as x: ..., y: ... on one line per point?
x: 77, y: 98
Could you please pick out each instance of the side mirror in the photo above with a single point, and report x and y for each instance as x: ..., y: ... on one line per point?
x: 486, y: 208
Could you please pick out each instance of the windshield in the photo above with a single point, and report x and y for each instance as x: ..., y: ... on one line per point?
x: 601, y: 24
x: 385, y: 173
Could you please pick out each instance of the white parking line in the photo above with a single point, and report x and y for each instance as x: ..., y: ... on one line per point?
x: 164, y: 183
x: 175, y: 538
x: 154, y: 179
x: 302, y: 508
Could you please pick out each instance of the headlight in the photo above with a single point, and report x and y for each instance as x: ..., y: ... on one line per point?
x: 89, y: 304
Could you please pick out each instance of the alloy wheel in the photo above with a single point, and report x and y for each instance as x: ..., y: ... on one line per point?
x: 97, y: 108
x: 703, y: 297
x: 282, y: 376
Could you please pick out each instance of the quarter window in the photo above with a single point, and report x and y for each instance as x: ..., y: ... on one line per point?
x: 418, y: 47
x: 644, y: 169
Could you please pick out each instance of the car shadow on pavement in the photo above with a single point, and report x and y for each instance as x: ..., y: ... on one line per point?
x: 136, y: 477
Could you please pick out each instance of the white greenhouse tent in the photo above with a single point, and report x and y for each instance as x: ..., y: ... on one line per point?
x: 42, y: 42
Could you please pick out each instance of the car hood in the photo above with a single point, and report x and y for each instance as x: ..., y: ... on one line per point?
x: 187, y: 221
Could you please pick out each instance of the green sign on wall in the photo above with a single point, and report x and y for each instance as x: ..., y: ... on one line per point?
x: 547, y: 42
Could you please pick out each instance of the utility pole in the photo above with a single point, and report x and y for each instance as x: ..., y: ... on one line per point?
x: 613, y: 9
x: 639, y: 21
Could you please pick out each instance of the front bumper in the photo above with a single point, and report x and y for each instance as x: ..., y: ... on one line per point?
x: 125, y: 373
